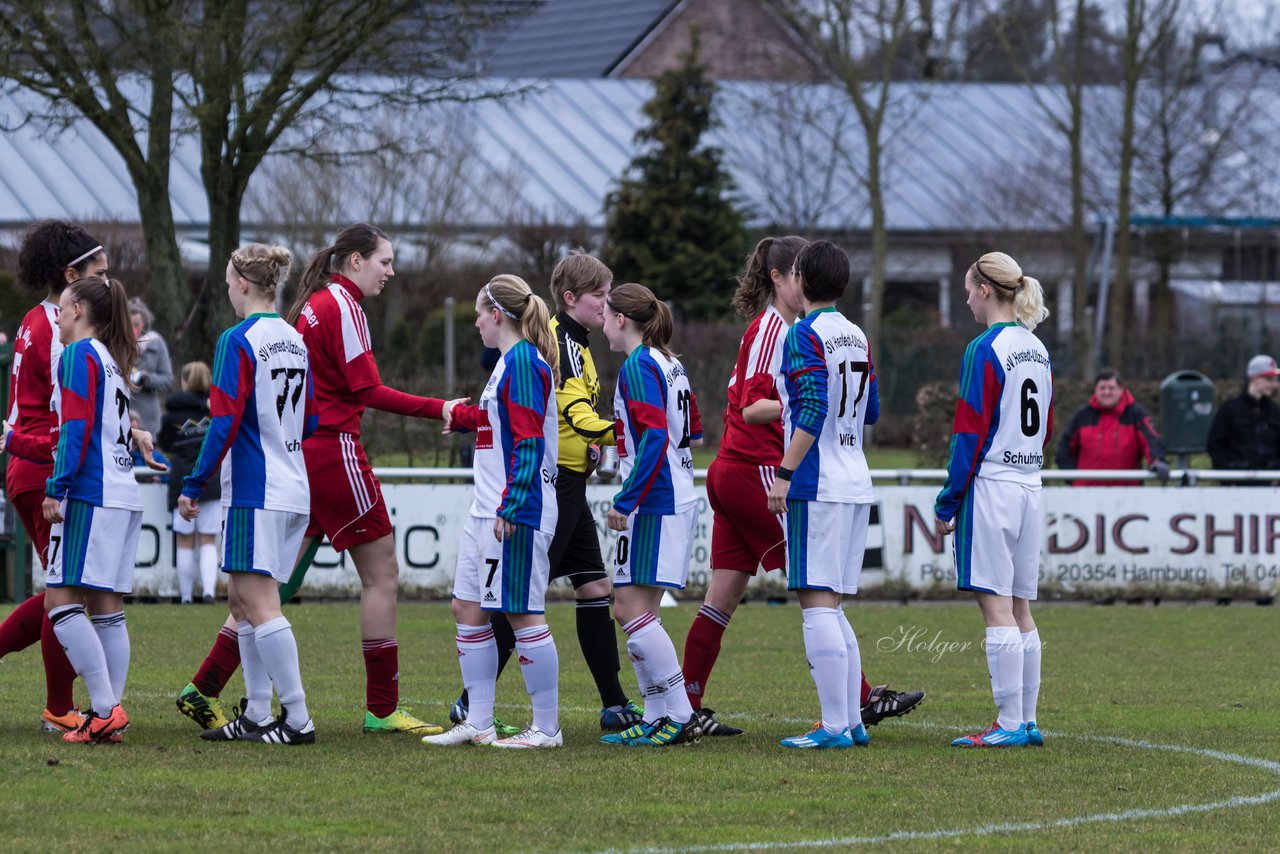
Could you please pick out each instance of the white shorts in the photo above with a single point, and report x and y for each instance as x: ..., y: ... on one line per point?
x: 207, y: 521
x: 261, y: 541
x: 998, y: 536
x: 655, y: 551
x: 94, y: 547
x: 826, y: 542
x: 508, y: 576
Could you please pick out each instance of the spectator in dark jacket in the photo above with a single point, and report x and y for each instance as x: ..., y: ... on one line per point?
x: 1246, y: 429
x: 1112, y: 432
x: 152, y: 373
x: 182, y: 429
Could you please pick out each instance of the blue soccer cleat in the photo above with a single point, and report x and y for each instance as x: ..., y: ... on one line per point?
x: 859, y: 736
x: 625, y: 737
x: 820, y: 739
x: 993, y: 736
x: 1034, y: 738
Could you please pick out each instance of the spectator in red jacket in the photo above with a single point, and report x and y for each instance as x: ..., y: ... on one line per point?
x: 1112, y: 432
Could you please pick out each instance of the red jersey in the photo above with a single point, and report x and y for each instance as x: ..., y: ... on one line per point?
x: 36, y: 351
x: 345, y: 376
x: 755, y: 378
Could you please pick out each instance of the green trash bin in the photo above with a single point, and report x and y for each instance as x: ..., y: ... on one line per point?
x: 1186, y: 411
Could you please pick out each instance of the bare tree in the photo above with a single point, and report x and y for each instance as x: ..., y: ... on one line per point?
x: 1149, y: 30
x: 236, y: 74
x: 860, y: 41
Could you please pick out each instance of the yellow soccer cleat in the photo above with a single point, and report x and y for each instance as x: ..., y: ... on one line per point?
x: 399, y: 721
x: 205, y: 711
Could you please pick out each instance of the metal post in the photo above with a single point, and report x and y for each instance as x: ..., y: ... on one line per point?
x: 944, y: 302
x: 450, y: 349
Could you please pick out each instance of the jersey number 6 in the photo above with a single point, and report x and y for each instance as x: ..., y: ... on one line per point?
x: 1030, y: 409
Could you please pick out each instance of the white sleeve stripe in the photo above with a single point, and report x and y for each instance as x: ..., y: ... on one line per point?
x: 767, y: 341
x: 355, y: 328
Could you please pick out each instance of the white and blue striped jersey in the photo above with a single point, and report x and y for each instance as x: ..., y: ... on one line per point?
x: 657, y: 420
x: 262, y: 406
x: 1004, y: 416
x: 93, y: 462
x: 831, y: 394
x: 517, y: 441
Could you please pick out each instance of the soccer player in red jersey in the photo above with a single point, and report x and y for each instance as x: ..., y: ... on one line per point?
x: 745, y: 535
x: 53, y: 254
x: 346, y: 499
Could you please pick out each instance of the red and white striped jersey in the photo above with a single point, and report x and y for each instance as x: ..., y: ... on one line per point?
x: 336, y: 333
x: 36, y: 351
x: 755, y: 377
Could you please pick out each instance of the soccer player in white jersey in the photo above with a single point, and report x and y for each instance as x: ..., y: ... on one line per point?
x: 262, y: 406
x: 992, y: 498
x: 502, y: 563
x: 92, y: 499
x: 656, y: 509
x: 824, y: 486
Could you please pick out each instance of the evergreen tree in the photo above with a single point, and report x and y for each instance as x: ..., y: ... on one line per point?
x: 672, y: 223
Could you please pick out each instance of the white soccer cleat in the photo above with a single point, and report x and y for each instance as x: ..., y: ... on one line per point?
x: 463, y: 733
x: 532, y: 737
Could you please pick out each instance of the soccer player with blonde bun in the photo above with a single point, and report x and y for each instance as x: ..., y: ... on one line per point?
x: 992, y: 497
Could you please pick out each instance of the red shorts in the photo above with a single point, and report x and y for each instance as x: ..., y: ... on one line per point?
x: 29, y: 506
x: 346, y: 499
x: 744, y: 534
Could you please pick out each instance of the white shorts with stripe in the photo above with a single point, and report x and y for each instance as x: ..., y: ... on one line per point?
x: 826, y: 542
x: 93, y: 547
x: 261, y: 541
x: 654, y: 551
x: 207, y: 521
x: 999, y: 531
x: 509, y: 576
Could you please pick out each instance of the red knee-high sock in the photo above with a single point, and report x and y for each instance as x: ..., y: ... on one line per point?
x: 866, y: 690
x: 381, y: 676
x: 59, y: 675
x: 701, y: 649
x: 22, y: 627
x: 219, y: 666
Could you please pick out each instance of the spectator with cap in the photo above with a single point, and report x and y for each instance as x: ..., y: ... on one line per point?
x: 1112, y: 431
x: 1245, y: 433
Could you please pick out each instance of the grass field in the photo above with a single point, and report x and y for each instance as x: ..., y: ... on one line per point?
x: 1162, y: 728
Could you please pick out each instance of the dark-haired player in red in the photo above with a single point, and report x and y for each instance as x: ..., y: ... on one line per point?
x: 53, y: 254
x: 745, y: 535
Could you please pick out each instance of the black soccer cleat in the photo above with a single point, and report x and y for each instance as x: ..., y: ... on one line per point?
x: 710, y: 726
x: 884, y: 703
x: 279, y: 732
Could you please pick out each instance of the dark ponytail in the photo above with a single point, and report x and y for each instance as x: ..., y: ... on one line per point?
x: 755, y: 288
x: 360, y: 238
x: 107, y: 306
x: 638, y: 304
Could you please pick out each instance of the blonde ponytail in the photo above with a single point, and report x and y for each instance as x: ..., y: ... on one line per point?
x: 1010, y: 285
x: 517, y: 300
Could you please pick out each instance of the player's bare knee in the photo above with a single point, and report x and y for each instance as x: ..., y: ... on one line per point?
x: 598, y: 589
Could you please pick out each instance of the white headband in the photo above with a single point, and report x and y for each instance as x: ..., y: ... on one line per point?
x: 498, y: 305
x: 94, y: 251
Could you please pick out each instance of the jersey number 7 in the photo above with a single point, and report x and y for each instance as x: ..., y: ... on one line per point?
x: 856, y: 368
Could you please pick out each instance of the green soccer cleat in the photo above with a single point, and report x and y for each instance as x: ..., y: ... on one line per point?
x: 205, y: 711
x: 399, y: 721
x: 505, y: 729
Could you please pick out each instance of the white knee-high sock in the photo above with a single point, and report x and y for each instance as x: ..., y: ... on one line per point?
x: 1004, y: 661
x: 824, y: 644
x: 114, y: 637
x: 279, y: 651
x: 647, y: 639
x: 655, y: 699
x: 209, y: 569
x: 1030, y: 673
x: 540, y: 665
x: 478, y: 658
x: 186, y: 572
x: 257, y: 680
x: 854, y: 692
x: 84, y: 651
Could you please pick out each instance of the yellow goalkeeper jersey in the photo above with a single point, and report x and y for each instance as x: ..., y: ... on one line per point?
x: 577, y: 395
